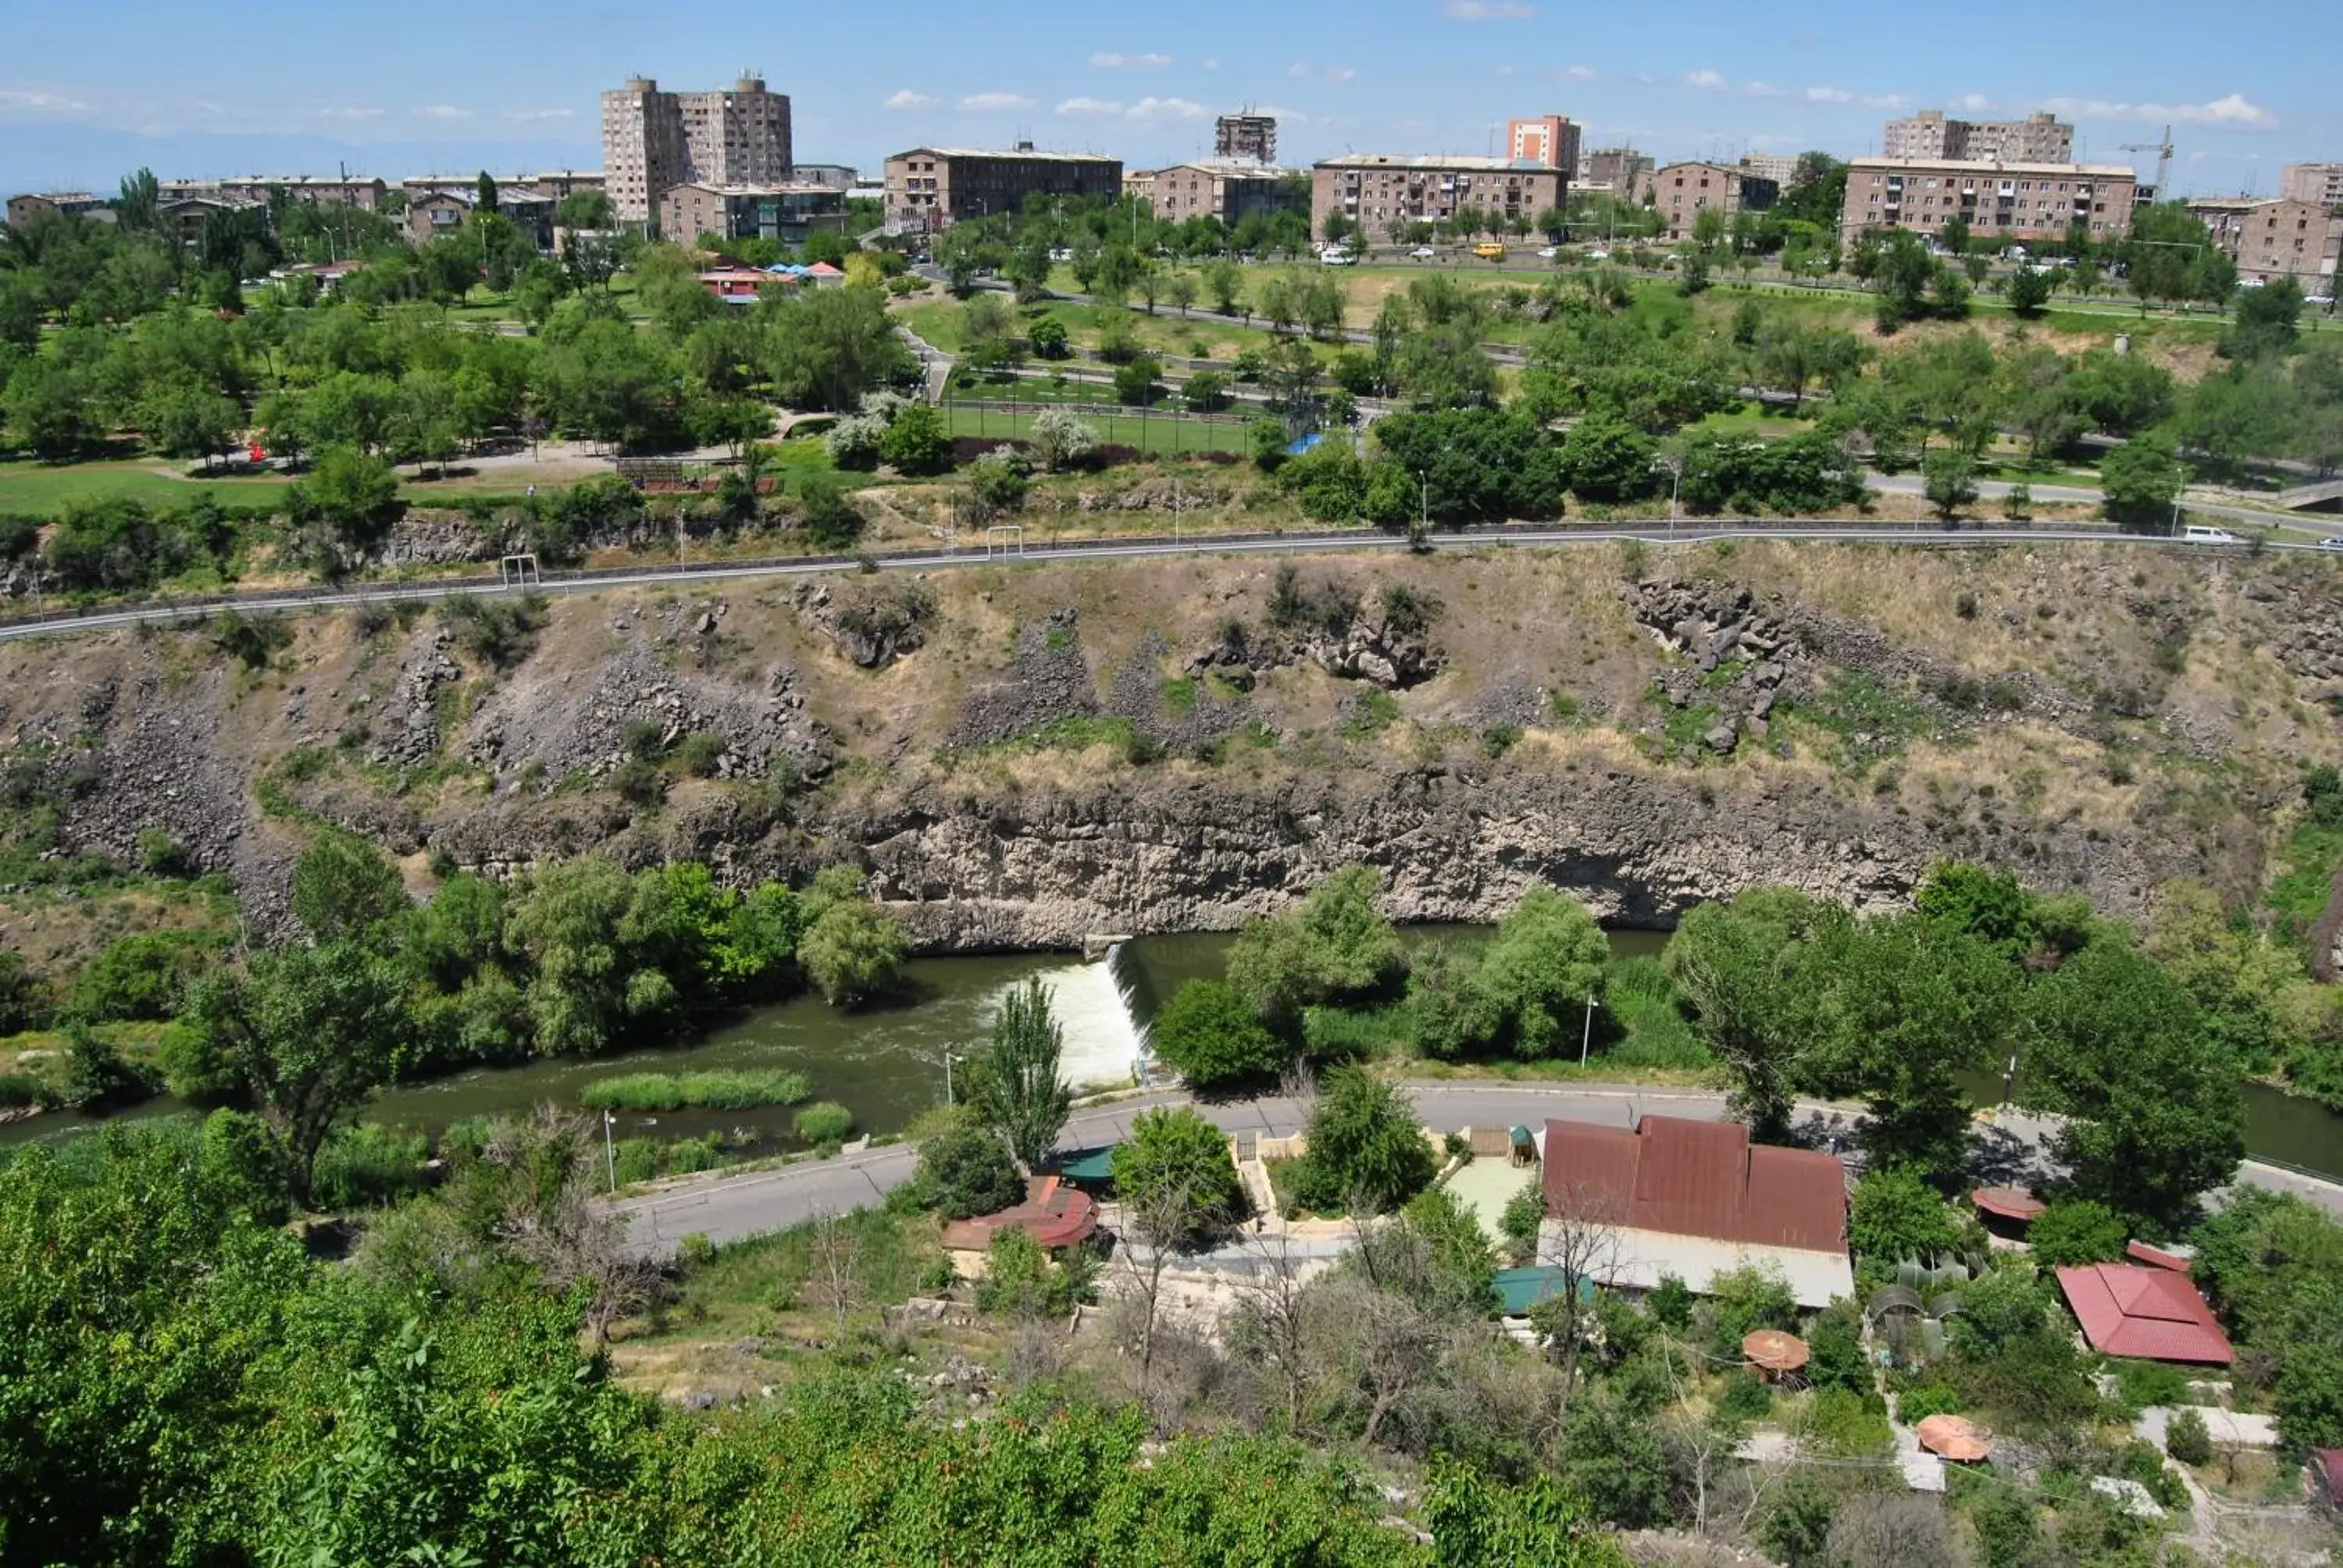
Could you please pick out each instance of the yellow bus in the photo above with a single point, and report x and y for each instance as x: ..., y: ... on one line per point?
x: 1490, y: 251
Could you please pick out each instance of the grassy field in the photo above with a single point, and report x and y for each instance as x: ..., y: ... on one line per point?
x: 40, y: 489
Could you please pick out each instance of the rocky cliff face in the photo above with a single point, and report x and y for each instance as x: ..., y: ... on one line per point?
x: 2098, y: 719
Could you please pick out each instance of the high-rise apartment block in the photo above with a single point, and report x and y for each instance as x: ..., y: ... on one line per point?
x: 1548, y: 139
x: 1245, y: 136
x: 2320, y: 182
x: 2040, y: 138
x: 2271, y: 237
x: 652, y: 141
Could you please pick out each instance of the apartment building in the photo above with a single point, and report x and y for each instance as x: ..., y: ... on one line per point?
x: 1386, y: 192
x: 1620, y: 172
x: 2017, y: 201
x: 654, y: 140
x: 1548, y: 139
x: 567, y: 183
x: 321, y: 190
x: 2040, y: 138
x: 437, y: 208
x: 2271, y: 237
x: 1230, y: 189
x: 1245, y: 136
x: 1682, y: 192
x: 931, y: 188
x: 23, y: 209
x: 695, y: 211
x: 2313, y: 182
x: 1779, y: 167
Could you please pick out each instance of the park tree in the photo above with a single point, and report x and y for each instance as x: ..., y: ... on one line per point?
x: 1894, y: 1215
x: 1747, y: 967
x: 309, y: 1034
x: 2077, y: 1231
x: 917, y: 442
x: 1367, y: 1152
x: 2139, y: 481
x: 2154, y: 1115
x: 1212, y: 1036
x: 2029, y: 291
x: 1175, y: 1174
x: 1017, y: 1083
x: 1949, y: 479
x: 965, y: 1169
x: 1331, y: 947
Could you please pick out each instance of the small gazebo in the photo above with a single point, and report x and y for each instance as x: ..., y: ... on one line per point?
x: 1523, y: 1146
x: 1773, y: 1353
x: 1955, y: 1438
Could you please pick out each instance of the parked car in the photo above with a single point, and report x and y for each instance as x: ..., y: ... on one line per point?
x: 2331, y: 542
x: 1424, y: 253
x: 1547, y: 253
x: 2198, y: 534
x: 1598, y: 254
x: 1335, y: 255
x: 1489, y: 250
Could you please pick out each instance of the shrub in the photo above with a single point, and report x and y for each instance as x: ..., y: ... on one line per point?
x: 1211, y: 1036
x: 1366, y: 1147
x: 1174, y: 1176
x: 997, y: 482
x: 141, y: 976
x: 2077, y: 1233
x: 824, y: 1122
x: 1917, y: 1404
x: 369, y: 1167
x: 965, y: 1169
x: 1135, y: 379
x: 1060, y: 440
x: 831, y: 521
x: 2187, y: 1439
x: 499, y: 632
x: 853, y: 442
x: 917, y: 443
x: 1745, y: 1398
x: 1019, y: 1280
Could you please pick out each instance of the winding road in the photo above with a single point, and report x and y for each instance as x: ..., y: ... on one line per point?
x: 730, y: 1208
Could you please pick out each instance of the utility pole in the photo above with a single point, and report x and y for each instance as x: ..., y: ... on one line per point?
x: 947, y: 1078
x: 610, y: 1150
x: 1586, y: 1035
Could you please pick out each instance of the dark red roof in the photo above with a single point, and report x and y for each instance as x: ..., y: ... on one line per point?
x: 1052, y: 1214
x: 2180, y: 1262
x: 1696, y: 1179
x: 2328, y: 1465
x: 2008, y: 1204
x: 2151, y: 1313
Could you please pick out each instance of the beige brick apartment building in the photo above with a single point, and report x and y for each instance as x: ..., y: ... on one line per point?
x: 1682, y: 192
x: 929, y: 188
x: 2016, y: 201
x: 653, y: 140
x: 1385, y: 192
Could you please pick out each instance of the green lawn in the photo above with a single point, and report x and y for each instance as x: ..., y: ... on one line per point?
x: 1157, y: 434
x: 41, y: 488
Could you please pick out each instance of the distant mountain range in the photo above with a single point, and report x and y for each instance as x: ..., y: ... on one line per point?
x: 64, y: 155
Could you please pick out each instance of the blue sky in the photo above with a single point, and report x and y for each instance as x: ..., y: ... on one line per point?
x: 267, y: 85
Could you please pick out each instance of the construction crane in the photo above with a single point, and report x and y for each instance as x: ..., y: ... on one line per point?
x: 2163, y: 151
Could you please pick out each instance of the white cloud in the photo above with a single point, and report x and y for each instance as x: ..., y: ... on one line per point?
x: 1283, y: 117
x: 39, y: 102
x: 1976, y: 103
x: 908, y: 99
x: 1089, y: 106
x: 1299, y: 68
x: 1338, y: 72
x: 443, y: 112
x: 525, y: 115
x: 1169, y: 109
x: 1867, y: 100
x: 1580, y: 73
x: 996, y: 101
x: 1112, y: 61
x: 1211, y: 64
x: 1706, y: 79
x: 351, y: 112
x: 2236, y: 110
x: 1487, y: 11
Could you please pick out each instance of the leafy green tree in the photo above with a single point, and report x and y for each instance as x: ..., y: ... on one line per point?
x: 1331, y: 947
x: 1540, y: 968
x: 2079, y: 1231
x: 829, y: 517
x: 966, y: 1169
x: 309, y: 1034
x: 1747, y: 967
x: 851, y: 950
x: 1211, y: 1035
x: 1608, y: 459
x: 1525, y: 1213
x: 1135, y: 379
x: 1367, y: 1150
x: 825, y: 348
x: 1894, y: 1215
x: 2029, y: 292
x: 1016, y: 1083
x: 1174, y: 1168
x: 2140, y: 480
x: 1477, y: 1522
x: 917, y: 442
x: 2155, y: 1114
x: 1796, y: 1526
x: 1950, y: 480
x: 344, y: 888
x: 352, y: 490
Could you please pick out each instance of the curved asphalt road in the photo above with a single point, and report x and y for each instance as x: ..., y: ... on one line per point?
x: 730, y: 1208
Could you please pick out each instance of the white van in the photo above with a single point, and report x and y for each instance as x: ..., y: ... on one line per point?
x: 2196, y: 534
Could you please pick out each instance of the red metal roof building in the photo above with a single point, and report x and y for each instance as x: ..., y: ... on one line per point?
x: 2151, y: 1313
x: 1053, y: 1214
x: 1693, y: 1198
x: 1697, y: 1178
x: 2008, y: 1204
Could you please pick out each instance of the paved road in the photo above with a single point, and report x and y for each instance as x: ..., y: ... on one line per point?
x: 1839, y: 530
x: 730, y: 1207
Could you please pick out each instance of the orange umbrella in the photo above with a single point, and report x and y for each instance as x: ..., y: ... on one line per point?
x: 1955, y: 1437
x: 1774, y: 1350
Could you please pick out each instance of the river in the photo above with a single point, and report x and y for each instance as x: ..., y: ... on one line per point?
x: 886, y: 1064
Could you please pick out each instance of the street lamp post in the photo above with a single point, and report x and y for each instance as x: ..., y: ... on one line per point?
x: 610, y: 1150
x: 947, y: 1078
x: 1586, y: 1035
